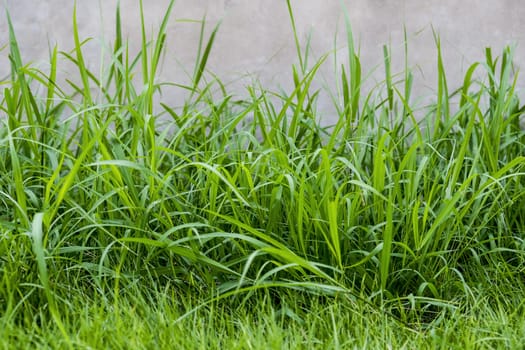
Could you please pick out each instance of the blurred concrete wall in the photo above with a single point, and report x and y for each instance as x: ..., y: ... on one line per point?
x: 255, y: 36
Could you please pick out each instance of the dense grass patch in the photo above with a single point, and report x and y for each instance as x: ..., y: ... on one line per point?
x: 248, y: 223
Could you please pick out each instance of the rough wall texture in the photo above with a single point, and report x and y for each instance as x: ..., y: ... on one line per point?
x: 255, y: 35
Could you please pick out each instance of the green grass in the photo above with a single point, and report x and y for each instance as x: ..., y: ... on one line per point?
x: 228, y: 223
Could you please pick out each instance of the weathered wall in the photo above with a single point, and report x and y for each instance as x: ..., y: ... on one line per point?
x: 256, y: 37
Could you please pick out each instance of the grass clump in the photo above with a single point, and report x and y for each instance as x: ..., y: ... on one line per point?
x: 249, y: 224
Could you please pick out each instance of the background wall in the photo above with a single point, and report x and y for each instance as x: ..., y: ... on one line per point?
x: 255, y: 36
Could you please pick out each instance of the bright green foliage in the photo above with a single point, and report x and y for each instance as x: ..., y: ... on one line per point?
x: 113, y: 203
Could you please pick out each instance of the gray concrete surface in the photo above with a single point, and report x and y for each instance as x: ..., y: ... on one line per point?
x: 255, y: 36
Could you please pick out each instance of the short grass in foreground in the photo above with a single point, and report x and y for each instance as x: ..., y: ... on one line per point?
x: 223, y: 223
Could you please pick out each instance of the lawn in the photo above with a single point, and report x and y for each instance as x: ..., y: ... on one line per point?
x: 234, y: 222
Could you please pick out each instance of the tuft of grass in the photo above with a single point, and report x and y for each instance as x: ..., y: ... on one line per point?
x: 244, y: 222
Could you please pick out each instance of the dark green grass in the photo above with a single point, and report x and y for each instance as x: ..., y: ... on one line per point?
x: 230, y: 222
